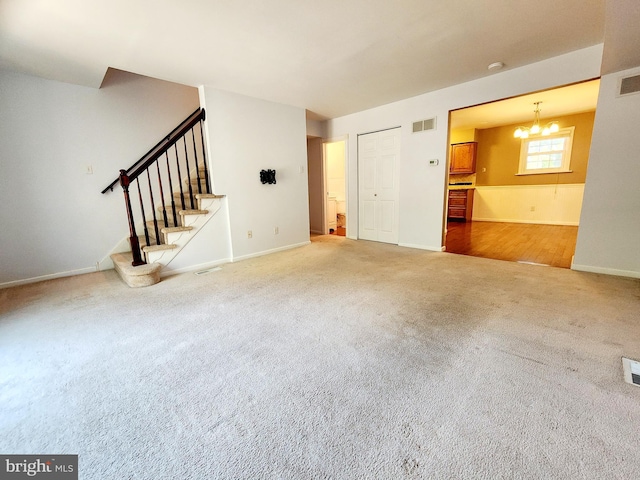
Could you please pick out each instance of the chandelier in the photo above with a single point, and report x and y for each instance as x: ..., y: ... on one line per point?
x: 536, y: 129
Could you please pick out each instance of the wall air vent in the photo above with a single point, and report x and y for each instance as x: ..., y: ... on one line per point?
x: 629, y: 85
x: 424, y: 125
x: 208, y: 270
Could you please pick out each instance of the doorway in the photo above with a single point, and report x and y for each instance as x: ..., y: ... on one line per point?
x: 335, y: 182
x: 327, y: 182
x: 514, y: 213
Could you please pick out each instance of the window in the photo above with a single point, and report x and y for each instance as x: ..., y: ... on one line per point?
x: 548, y: 154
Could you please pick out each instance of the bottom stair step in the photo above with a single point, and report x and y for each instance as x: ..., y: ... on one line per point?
x: 140, y: 276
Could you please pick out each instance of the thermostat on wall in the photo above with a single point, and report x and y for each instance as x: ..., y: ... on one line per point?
x: 433, y: 163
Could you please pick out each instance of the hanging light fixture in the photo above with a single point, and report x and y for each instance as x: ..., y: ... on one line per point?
x: 535, y: 129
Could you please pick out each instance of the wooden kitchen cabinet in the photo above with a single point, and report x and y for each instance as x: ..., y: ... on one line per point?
x: 460, y: 205
x: 463, y: 157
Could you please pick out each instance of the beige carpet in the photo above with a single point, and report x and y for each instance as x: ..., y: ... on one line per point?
x: 338, y: 360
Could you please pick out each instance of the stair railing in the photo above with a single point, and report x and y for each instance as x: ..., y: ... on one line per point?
x: 181, y: 150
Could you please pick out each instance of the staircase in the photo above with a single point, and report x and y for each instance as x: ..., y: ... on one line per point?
x: 170, y: 223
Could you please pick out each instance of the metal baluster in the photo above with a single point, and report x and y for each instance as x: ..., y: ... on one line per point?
x: 153, y: 208
x: 184, y: 141
x: 144, y: 218
x: 133, y: 236
x: 175, y: 146
x: 204, y: 157
x: 173, y: 200
x: 164, y: 207
x: 195, y: 152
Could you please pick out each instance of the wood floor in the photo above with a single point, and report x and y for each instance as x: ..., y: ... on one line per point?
x: 552, y: 245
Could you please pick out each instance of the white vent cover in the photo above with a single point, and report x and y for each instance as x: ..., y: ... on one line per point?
x: 208, y: 270
x: 629, y: 85
x: 631, y: 370
x: 424, y: 125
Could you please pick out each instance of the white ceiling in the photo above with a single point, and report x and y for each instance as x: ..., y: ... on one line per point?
x: 332, y: 57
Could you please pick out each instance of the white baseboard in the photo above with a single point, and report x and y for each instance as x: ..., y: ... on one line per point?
x: 537, y: 222
x: 422, y: 247
x: 605, y: 271
x: 42, y: 278
x: 267, y: 252
x: 166, y: 272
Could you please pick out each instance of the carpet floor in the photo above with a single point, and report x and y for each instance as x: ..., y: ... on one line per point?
x: 339, y: 360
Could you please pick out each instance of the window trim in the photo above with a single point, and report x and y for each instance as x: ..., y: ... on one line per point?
x: 566, y: 132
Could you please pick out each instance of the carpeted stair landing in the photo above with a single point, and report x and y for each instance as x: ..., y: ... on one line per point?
x: 140, y: 276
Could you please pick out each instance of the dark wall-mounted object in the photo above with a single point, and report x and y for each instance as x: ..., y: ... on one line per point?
x: 268, y: 176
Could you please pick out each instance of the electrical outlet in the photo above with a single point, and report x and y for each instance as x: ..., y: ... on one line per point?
x: 533, y: 208
x: 249, y: 234
x: 275, y: 231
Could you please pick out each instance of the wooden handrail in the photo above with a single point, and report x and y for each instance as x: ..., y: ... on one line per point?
x: 160, y: 148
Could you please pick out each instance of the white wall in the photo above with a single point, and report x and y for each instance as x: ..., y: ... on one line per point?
x: 541, y: 204
x: 247, y: 135
x: 609, y: 234
x: 422, y: 187
x: 54, y: 219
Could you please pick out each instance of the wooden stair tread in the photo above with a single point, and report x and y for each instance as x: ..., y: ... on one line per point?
x: 175, y: 229
x: 193, y: 212
x: 158, y: 248
x: 208, y: 195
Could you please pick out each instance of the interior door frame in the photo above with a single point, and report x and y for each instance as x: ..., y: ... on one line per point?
x: 499, y: 100
x: 325, y: 196
x: 317, y: 183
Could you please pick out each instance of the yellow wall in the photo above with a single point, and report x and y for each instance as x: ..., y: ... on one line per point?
x: 336, y: 185
x: 462, y: 135
x: 499, y: 154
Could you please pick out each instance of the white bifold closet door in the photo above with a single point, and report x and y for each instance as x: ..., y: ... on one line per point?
x: 378, y: 185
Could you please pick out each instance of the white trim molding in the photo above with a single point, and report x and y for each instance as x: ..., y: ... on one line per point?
x: 605, y: 271
x: 273, y: 250
x: 422, y: 247
x: 53, y: 276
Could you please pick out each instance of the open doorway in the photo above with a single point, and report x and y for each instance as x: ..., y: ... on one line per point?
x: 326, y: 167
x: 514, y: 198
x: 336, y: 187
